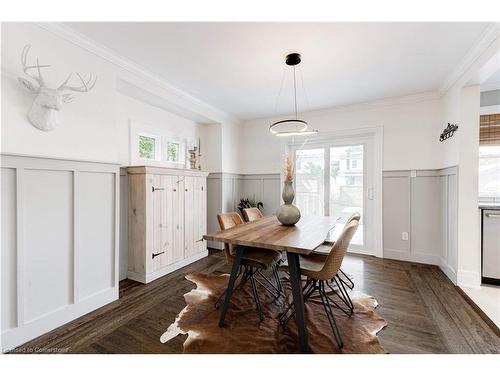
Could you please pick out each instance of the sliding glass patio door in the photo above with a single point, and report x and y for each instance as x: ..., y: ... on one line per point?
x: 335, y: 179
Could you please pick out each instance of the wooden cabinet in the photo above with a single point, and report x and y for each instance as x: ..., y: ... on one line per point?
x: 167, y: 219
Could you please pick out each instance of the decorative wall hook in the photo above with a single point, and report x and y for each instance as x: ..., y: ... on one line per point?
x: 448, y: 132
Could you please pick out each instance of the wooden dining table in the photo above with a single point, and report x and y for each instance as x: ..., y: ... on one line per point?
x: 268, y: 233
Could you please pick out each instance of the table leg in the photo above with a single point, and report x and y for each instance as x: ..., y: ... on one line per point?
x: 298, y: 299
x: 230, y: 284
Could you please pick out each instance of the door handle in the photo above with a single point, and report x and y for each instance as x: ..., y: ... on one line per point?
x: 155, y: 188
x: 155, y: 255
x: 492, y: 215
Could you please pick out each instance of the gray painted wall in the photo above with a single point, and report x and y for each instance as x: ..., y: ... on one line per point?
x: 225, y: 190
x: 59, y: 242
x: 422, y: 204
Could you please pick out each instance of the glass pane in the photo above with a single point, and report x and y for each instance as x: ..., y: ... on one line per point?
x: 309, y: 181
x: 489, y: 171
x: 346, y: 184
x: 172, y: 151
x: 147, y: 147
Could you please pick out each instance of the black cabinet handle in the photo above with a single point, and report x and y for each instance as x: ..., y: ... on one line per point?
x: 155, y: 255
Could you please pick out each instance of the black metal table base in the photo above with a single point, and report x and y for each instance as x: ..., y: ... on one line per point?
x: 230, y: 284
x: 298, y: 298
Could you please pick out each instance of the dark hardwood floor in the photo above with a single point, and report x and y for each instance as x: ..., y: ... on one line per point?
x: 425, y: 312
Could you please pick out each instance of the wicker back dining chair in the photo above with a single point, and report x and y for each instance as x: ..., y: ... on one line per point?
x: 253, y: 261
x: 252, y: 214
x: 345, y: 279
x: 320, y: 270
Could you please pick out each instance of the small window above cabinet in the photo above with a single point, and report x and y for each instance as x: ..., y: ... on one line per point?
x: 156, y: 150
x: 173, y: 150
x: 148, y: 147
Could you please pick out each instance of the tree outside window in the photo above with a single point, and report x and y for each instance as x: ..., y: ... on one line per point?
x: 172, y: 152
x: 147, y: 147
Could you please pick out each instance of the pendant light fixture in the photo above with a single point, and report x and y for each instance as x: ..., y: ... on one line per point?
x: 294, y: 126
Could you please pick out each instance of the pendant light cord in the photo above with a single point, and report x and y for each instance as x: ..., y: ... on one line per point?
x: 295, y: 92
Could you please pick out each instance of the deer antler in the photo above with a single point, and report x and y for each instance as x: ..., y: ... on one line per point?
x: 26, y: 68
x: 86, y: 85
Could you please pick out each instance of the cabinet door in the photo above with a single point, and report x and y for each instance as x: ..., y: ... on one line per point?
x: 175, y: 219
x: 190, y: 217
x: 195, y: 215
x: 159, y: 235
x: 201, y: 228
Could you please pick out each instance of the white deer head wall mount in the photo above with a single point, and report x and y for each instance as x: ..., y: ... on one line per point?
x: 43, y: 113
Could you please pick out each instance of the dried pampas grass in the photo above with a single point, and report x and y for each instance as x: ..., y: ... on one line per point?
x: 288, y: 168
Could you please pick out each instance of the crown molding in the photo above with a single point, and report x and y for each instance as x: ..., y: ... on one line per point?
x: 487, y: 38
x: 491, y: 86
x: 398, y: 100
x: 195, y: 105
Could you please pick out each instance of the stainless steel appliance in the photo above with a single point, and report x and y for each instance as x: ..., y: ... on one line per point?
x: 490, y: 245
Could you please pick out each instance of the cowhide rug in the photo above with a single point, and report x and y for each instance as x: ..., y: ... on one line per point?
x: 243, y: 333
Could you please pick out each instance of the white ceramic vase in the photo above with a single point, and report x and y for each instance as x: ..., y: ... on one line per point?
x: 288, y: 214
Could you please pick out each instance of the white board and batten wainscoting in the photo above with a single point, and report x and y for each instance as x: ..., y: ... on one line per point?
x: 59, y: 242
x: 167, y: 217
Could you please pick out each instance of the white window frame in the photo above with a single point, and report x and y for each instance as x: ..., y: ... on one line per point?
x: 182, y: 152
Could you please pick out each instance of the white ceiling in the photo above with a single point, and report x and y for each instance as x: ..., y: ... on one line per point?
x: 238, y: 67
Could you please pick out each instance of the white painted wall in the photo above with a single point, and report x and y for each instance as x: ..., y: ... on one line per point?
x: 232, y: 150
x: 411, y: 131
x: 134, y: 116
x: 87, y: 126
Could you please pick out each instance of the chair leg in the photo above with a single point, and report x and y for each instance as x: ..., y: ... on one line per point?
x: 277, y: 278
x: 349, y: 311
x: 349, y: 283
x: 256, y: 295
x: 347, y: 299
x: 275, y: 287
x: 308, y: 291
x: 329, y: 314
x: 221, y: 297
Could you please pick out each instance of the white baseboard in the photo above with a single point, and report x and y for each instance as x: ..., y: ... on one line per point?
x: 468, y: 279
x: 20, y: 335
x: 448, y: 271
x: 361, y: 251
x: 412, y: 257
x: 146, y: 278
